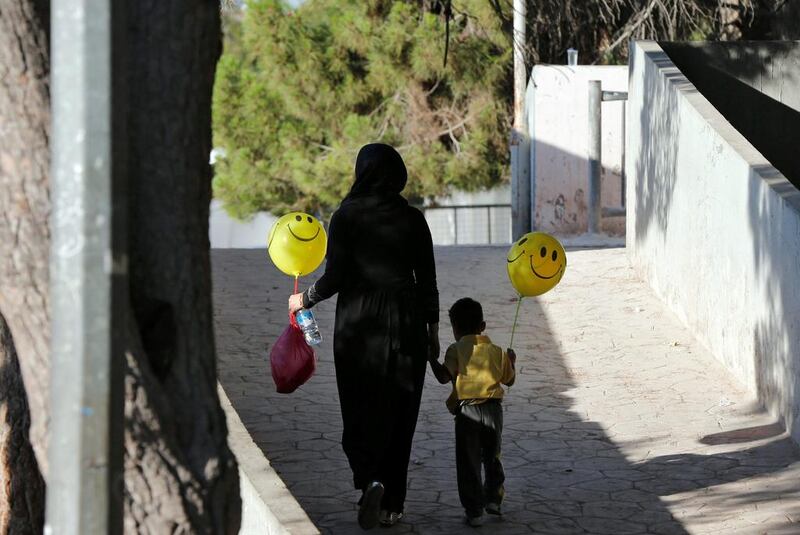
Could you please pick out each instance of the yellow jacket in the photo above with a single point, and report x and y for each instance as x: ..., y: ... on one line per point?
x: 479, y: 367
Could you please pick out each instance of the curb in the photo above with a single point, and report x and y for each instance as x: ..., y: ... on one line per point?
x: 268, y: 508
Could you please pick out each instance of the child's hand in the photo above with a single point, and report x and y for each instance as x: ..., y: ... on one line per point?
x: 512, y: 356
x: 439, y: 371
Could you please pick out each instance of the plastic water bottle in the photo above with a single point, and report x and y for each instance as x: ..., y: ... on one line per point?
x: 307, y: 323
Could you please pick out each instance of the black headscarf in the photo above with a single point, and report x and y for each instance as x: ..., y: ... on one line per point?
x: 380, y: 171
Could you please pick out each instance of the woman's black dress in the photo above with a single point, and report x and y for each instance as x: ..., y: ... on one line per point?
x: 380, y: 261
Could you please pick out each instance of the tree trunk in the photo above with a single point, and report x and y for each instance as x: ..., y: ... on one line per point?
x: 180, y: 476
x: 21, y: 485
x: 176, y: 434
x: 25, y: 204
x: 24, y: 209
x: 730, y: 19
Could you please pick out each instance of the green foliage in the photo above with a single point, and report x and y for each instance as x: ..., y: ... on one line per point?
x: 298, y: 92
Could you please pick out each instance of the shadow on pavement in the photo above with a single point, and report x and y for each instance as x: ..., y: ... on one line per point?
x: 564, y: 473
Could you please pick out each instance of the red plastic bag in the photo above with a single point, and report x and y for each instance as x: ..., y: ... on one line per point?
x: 291, y: 359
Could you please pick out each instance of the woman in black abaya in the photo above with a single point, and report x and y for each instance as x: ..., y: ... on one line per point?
x: 380, y: 261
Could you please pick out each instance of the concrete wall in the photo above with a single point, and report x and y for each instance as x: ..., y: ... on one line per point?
x: 771, y: 67
x: 224, y: 232
x: 714, y: 227
x: 557, y: 108
x: 755, y: 85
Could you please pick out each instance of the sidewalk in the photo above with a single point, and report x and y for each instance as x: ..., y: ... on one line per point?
x: 619, y: 422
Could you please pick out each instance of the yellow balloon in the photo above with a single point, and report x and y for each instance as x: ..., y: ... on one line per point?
x: 297, y: 244
x: 536, y: 262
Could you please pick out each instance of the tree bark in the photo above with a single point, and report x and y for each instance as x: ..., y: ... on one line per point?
x: 21, y: 485
x: 176, y: 433
x: 25, y: 239
x: 180, y: 476
x: 25, y: 202
x: 730, y: 18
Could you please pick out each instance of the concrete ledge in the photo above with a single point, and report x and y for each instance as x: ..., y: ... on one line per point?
x: 591, y: 241
x: 714, y: 228
x: 268, y: 508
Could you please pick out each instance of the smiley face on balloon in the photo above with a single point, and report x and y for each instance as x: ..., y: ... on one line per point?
x: 297, y: 244
x: 536, y: 262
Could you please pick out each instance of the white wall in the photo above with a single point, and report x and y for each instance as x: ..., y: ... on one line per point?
x: 226, y: 232
x: 715, y: 229
x: 557, y: 107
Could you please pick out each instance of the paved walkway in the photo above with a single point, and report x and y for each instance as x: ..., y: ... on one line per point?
x: 619, y: 423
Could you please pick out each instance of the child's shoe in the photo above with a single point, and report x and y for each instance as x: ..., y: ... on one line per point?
x: 475, y: 521
x: 493, y: 508
x: 390, y: 519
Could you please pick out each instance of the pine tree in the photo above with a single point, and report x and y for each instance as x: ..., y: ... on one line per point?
x: 300, y: 91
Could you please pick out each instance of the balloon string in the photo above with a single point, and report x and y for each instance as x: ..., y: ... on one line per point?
x: 514, y: 327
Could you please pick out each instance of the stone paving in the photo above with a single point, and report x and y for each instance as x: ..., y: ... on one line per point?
x: 620, y: 422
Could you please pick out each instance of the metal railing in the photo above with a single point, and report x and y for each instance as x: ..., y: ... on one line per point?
x: 469, y: 224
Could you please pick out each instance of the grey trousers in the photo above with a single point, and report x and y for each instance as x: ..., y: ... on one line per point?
x: 478, y: 436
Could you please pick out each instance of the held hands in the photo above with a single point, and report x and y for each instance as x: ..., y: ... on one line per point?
x: 295, y: 303
x: 438, y: 369
x: 433, y: 342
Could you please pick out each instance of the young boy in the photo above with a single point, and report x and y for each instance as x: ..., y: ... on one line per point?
x: 477, y: 368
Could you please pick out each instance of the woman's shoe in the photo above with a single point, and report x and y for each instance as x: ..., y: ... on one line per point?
x: 370, y: 507
x: 390, y: 519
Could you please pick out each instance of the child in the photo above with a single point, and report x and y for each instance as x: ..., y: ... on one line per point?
x: 476, y: 368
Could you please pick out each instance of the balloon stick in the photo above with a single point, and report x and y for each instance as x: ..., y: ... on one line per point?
x: 514, y: 327
x: 296, y: 279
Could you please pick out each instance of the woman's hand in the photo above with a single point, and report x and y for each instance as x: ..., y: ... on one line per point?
x: 433, y: 342
x: 512, y: 357
x: 295, y: 303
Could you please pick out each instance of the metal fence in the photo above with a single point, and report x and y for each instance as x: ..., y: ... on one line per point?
x: 474, y: 224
